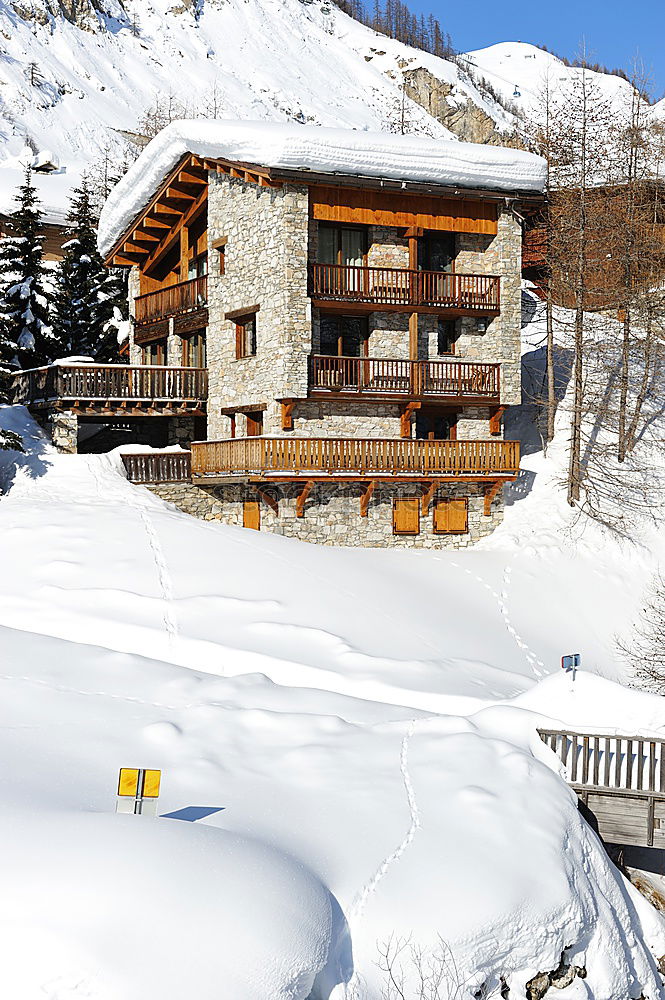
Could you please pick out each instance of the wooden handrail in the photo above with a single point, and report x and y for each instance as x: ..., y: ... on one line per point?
x: 354, y: 456
x: 396, y: 286
x: 389, y: 376
x: 171, y: 301
x: 158, y: 467
x: 109, y: 382
x: 613, y: 762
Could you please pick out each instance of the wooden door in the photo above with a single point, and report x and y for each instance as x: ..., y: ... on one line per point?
x: 251, y: 514
x: 255, y: 423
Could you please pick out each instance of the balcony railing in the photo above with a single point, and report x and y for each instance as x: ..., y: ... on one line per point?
x: 387, y: 377
x: 109, y: 383
x: 158, y: 467
x: 172, y: 301
x: 393, y: 286
x: 342, y: 457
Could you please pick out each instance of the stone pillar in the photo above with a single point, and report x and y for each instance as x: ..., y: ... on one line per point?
x: 63, y: 430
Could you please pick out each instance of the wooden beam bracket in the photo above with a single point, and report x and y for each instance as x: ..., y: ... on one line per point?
x: 495, y: 419
x: 302, y: 497
x: 490, y: 493
x: 288, y: 406
x: 365, y: 497
x: 267, y: 499
x: 428, y: 496
x: 405, y: 418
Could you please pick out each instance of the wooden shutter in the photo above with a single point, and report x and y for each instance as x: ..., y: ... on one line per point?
x: 451, y: 517
x: 251, y: 514
x: 406, y: 517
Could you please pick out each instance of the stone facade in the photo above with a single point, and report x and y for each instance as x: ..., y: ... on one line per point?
x: 63, y: 430
x: 332, y: 514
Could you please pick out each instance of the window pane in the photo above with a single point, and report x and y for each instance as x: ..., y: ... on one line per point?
x: 353, y: 247
x: 329, y: 334
x: 327, y: 253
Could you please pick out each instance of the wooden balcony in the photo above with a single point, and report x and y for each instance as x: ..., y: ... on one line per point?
x: 351, y: 459
x: 176, y: 300
x: 384, y: 379
x: 158, y: 467
x: 402, y: 289
x: 114, y: 389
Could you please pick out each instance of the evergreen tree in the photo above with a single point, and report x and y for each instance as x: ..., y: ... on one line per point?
x: 89, y: 299
x: 26, y: 339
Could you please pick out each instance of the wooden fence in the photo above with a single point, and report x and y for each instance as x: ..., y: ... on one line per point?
x: 158, y: 467
x: 171, y: 301
x: 393, y: 377
x: 354, y: 456
x: 619, y: 779
x: 394, y: 286
x: 109, y: 382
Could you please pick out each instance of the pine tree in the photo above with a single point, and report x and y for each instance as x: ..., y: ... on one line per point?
x: 26, y: 339
x: 89, y: 299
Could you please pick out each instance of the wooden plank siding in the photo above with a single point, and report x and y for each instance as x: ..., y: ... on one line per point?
x: 620, y: 780
x: 339, y: 457
x: 387, y: 208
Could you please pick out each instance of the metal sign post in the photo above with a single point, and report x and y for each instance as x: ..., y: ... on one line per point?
x: 138, y: 791
x: 570, y: 663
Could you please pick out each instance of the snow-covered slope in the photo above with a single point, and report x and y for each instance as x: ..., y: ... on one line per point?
x: 66, y: 86
x: 519, y: 72
x: 363, y: 723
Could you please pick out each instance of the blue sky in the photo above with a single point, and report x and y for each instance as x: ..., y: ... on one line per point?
x: 614, y: 31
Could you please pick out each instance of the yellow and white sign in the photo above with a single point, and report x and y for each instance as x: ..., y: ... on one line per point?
x: 138, y: 790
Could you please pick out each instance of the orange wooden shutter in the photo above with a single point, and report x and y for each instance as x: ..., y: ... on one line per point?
x: 406, y: 517
x: 451, y: 517
x: 251, y: 514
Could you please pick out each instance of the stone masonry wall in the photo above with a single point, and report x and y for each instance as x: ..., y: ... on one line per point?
x: 266, y: 265
x: 332, y: 514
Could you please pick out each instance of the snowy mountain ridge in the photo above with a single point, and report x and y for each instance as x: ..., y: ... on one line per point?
x: 76, y: 75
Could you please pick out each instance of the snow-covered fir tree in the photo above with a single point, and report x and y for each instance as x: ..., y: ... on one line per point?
x: 89, y: 299
x: 26, y: 339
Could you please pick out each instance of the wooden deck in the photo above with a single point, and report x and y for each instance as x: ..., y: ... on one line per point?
x: 384, y: 379
x: 175, y: 300
x: 404, y: 289
x: 158, y: 467
x: 122, y: 390
x: 619, y: 779
x: 352, y: 459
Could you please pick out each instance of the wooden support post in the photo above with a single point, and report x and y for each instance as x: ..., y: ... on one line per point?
x: 184, y: 253
x: 428, y: 496
x: 366, y: 497
x: 288, y: 406
x: 413, y: 337
x: 304, y: 493
x: 495, y: 419
x: 405, y: 418
x: 490, y: 493
x: 270, y: 501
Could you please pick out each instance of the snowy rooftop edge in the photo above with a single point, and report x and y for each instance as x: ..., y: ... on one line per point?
x: 321, y: 150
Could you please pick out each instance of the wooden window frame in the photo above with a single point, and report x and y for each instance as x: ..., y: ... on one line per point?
x: 414, y: 504
x: 160, y: 342
x: 220, y: 246
x: 450, y: 531
x: 338, y: 227
x: 241, y: 323
x: 186, y: 346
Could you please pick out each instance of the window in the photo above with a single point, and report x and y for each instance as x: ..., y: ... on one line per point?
x: 406, y: 517
x: 451, y: 517
x: 251, y: 515
x: 254, y: 423
x: 433, y: 424
x: 154, y: 353
x: 344, y: 336
x: 342, y: 245
x: 220, y: 246
x: 436, y: 252
x: 194, y: 350
x: 198, y: 267
x: 246, y: 336
x: 446, y: 336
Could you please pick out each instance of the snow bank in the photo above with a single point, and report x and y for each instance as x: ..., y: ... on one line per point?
x: 97, y: 905
x: 320, y: 150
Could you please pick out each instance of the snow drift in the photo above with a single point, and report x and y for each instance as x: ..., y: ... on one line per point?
x: 320, y: 150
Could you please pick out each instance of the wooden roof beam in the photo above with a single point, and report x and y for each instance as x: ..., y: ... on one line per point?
x: 194, y: 179
x: 179, y: 192
x: 174, y: 234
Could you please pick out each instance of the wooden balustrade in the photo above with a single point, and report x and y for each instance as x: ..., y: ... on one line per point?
x: 617, y: 762
x: 325, y: 457
x: 381, y: 377
x: 393, y: 286
x: 171, y: 301
x: 109, y: 382
x: 158, y: 467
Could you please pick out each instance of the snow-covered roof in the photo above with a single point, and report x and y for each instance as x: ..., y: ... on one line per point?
x: 310, y: 148
x: 53, y: 189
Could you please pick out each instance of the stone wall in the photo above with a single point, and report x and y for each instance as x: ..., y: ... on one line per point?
x: 332, y: 514
x: 63, y: 431
x: 265, y: 265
